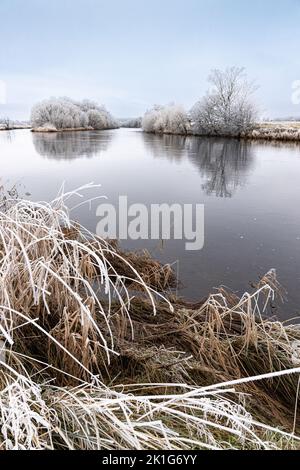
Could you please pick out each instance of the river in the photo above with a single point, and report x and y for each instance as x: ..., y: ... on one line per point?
x: 250, y: 191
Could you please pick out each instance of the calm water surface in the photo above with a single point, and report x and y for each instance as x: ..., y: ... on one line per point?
x: 251, y: 193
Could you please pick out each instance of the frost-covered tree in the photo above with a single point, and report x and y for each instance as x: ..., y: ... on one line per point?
x: 5, y: 123
x: 65, y: 113
x: 134, y: 123
x: 97, y: 115
x: 59, y: 113
x: 228, y: 109
x: 96, y: 119
x: 170, y: 119
x: 150, y: 118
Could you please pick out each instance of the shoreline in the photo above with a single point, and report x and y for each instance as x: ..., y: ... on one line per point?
x: 273, y: 132
x: 131, y: 347
x: 14, y: 128
x: 75, y: 129
x: 268, y: 133
x: 54, y: 131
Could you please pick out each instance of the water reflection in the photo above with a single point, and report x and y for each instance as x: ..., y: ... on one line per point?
x: 259, y: 223
x: 7, y: 136
x: 71, y: 145
x: 174, y: 147
x: 224, y: 163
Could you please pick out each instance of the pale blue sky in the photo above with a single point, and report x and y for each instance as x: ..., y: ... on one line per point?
x: 132, y: 54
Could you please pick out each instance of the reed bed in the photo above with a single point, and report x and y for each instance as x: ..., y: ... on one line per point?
x: 285, y: 132
x: 94, y: 354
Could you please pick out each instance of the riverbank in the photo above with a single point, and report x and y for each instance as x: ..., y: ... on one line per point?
x: 269, y: 131
x: 276, y: 131
x: 13, y: 128
x: 97, y: 353
x: 49, y: 129
x: 52, y: 129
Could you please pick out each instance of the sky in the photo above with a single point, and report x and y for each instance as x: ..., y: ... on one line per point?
x: 132, y: 54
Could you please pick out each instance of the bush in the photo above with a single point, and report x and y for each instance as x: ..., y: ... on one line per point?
x: 170, y: 119
x: 64, y: 113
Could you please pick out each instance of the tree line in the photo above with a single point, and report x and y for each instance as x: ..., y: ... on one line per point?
x: 228, y: 109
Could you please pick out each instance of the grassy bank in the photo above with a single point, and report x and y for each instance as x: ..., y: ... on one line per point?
x: 54, y: 129
x: 96, y: 353
x: 268, y: 131
x: 281, y: 131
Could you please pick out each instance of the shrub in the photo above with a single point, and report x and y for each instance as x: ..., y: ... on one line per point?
x: 170, y: 119
x: 64, y: 113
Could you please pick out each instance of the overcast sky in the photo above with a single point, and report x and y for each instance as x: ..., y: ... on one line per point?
x: 131, y: 54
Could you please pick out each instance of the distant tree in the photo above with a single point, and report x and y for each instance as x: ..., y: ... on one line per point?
x: 228, y: 109
x: 170, y: 119
x: 65, y: 113
x: 5, y: 123
x: 150, y: 118
x: 134, y: 123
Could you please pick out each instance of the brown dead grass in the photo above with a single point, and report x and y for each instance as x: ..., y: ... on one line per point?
x: 94, y: 357
x: 276, y: 131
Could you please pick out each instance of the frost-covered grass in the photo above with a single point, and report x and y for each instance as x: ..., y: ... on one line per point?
x: 92, y: 356
x: 281, y: 131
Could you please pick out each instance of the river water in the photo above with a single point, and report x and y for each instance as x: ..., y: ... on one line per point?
x: 250, y: 191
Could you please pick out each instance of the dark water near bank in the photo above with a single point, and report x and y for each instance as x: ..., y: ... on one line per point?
x: 251, y: 193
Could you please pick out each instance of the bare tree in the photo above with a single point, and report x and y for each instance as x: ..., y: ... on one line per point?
x: 5, y: 123
x: 228, y: 109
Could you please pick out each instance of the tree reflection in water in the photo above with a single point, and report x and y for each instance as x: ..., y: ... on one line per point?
x: 71, y: 145
x: 224, y: 163
x: 7, y: 136
x: 171, y: 146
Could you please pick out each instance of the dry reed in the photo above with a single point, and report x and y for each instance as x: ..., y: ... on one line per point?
x: 94, y: 356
